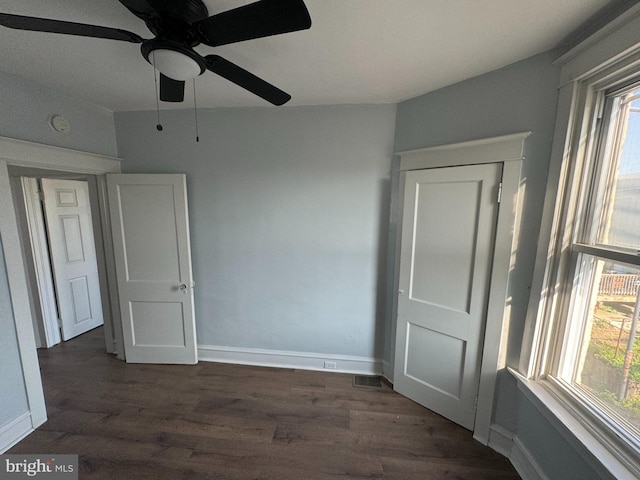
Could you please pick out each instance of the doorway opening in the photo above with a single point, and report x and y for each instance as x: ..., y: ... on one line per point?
x: 61, y: 237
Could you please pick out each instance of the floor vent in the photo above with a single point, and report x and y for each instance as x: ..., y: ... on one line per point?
x: 366, y: 381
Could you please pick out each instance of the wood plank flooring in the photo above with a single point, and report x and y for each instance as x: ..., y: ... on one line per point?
x: 219, y: 421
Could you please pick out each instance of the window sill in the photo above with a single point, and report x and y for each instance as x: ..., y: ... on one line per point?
x: 574, y: 428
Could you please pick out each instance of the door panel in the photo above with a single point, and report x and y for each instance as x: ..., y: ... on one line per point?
x: 451, y: 251
x: 448, y: 229
x: 73, y: 254
x: 153, y: 266
x: 423, y: 345
x: 148, y: 205
x: 157, y: 323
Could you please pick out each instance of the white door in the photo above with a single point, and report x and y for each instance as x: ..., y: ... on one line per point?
x: 150, y: 228
x: 73, y: 255
x: 449, y: 220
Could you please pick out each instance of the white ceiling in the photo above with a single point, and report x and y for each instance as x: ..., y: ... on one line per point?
x: 357, y: 51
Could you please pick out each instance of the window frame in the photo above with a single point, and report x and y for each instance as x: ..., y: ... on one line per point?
x: 579, y: 173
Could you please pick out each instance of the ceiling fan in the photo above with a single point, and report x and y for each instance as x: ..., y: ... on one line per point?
x: 179, y: 26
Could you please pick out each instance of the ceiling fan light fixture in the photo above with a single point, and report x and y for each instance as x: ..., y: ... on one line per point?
x: 178, y: 27
x: 175, y: 65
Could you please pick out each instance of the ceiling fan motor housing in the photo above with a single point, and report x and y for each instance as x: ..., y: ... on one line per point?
x: 173, y: 20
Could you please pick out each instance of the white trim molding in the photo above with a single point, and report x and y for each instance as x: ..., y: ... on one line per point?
x: 27, y: 154
x: 508, y: 444
x: 37, y: 155
x: 500, y: 440
x: 614, y: 42
x: 505, y: 148
x: 287, y: 359
x: 14, y: 431
x: 41, y: 261
x: 20, y: 301
x: 525, y: 463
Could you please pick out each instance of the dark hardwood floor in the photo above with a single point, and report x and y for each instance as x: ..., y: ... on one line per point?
x: 218, y: 421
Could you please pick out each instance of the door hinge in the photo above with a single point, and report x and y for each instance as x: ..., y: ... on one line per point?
x: 40, y: 195
x: 59, y: 323
x: 499, y: 192
x: 475, y: 405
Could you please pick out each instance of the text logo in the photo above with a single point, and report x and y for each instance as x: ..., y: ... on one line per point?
x: 50, y: 467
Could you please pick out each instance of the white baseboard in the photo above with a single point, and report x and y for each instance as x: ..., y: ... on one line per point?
x: 505, y: 443
x: 14, y: 431
x: 286, y: 359
x: 524, y: 463
x: 500, y: 440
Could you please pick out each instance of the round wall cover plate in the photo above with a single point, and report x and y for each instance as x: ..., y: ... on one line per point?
x: 59, y: 124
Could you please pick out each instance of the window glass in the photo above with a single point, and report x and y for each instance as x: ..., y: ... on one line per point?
x: 603, y: 359
x: 619, y: 219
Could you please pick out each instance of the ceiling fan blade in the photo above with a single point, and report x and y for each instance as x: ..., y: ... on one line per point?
x: 171, y: 90
x: 255, y: 20
x: 20, y: 22
x: 246, y: 80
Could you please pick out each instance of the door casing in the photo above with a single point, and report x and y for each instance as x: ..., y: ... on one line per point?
x: 31, y: 221
x: 33, y: 155
x: 507, y: 150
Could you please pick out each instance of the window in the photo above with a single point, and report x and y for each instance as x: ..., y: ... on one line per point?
x: 593, y: 351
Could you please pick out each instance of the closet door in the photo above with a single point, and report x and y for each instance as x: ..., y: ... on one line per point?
x: 448, y: 235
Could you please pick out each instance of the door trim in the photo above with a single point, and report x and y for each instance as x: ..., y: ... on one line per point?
x: 41, y: 261
x: 28, y: 154
x: 506, y: 148
x: 509, y: 151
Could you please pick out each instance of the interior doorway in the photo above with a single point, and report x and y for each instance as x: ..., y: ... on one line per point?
x: 66, y: 272
x: 42, y: 160
x: 507, y: 151
x: 446, y: 258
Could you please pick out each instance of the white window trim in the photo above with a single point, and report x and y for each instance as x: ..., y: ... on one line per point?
x: 611, y: 57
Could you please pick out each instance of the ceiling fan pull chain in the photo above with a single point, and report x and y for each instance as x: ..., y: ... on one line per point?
x: 155, y: 79
x: 195, y: 109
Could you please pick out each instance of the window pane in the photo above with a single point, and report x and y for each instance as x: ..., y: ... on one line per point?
x: 605, y: 363
x: 619, y: 221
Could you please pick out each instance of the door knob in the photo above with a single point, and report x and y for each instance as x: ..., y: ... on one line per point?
x: 183, y: 287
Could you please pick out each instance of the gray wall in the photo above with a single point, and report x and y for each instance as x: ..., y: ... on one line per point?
x: 25, y: 112
x: 557, y: 458
x: 520, y: 97
x: 289, y: 214
x: 13, y: 396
